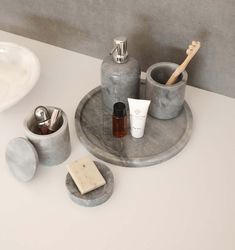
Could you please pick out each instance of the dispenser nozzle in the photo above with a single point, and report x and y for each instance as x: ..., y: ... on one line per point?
x: 119, y: 51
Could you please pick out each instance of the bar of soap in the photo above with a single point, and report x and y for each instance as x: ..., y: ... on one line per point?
x: 86, y: 175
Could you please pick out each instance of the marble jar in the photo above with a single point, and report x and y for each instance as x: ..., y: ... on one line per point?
x: 166, y: 100
x: 54, y: 148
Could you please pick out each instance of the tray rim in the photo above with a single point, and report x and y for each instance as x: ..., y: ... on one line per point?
x: 131, y: 162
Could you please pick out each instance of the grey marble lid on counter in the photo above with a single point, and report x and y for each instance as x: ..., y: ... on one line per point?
x: 21, y: 158
x: 162, y: 140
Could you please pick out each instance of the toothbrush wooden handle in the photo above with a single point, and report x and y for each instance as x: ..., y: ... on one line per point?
x: 191, y: 52
x: 174, y: 76
x: 179, y: 70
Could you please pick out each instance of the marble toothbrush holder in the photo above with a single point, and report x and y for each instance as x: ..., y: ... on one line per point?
x: 54, y: 148
x: 166, y: 100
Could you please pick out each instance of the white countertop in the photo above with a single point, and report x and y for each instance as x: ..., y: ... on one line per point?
x: 185, y: 203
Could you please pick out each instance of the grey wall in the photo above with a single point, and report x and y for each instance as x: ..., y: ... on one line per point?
x: 157, y: 30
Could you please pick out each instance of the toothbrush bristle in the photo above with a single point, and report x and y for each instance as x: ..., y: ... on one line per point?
x: 188, y: 51
x: 195, y: 45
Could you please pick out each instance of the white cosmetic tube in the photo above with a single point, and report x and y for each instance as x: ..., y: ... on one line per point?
x: 138, y: 114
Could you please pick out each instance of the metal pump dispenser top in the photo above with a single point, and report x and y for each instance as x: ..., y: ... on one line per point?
x: 119, y: 52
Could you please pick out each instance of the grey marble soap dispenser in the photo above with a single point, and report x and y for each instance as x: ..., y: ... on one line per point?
x: 120, y: 75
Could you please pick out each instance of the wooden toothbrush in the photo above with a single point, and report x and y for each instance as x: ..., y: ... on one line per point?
x: 191, y: 52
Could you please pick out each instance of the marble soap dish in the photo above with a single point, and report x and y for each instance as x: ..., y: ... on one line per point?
x: 95, y: 197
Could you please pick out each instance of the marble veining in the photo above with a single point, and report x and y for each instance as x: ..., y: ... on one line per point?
x: 54, y: 148
x: 162, y: 140
x: 22, y: 159
x: 166, y: 101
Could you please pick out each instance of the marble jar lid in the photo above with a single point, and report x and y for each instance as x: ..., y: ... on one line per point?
x: 22, y: 159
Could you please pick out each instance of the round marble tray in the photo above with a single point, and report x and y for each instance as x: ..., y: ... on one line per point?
x: 95, y: 197
x: 162, y: 139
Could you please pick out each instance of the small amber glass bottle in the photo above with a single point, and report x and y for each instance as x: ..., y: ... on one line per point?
x: 119, y: 120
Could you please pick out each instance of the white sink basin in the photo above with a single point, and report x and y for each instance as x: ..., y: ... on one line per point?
x: 19, y: 72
